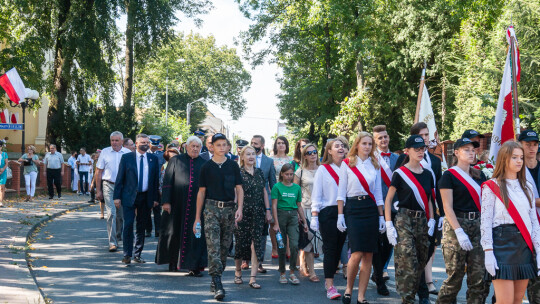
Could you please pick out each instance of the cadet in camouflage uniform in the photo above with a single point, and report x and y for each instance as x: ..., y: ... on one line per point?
x: 219, y: 183
x: 461, y: 246
x: 412, y: 227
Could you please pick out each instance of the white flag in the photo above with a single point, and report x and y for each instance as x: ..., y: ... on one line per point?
x: 426, y: 115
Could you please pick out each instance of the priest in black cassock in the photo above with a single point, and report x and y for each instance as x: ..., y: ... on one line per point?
x: 177, y: 244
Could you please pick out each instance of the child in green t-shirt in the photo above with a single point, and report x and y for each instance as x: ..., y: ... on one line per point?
x: 286, y: 207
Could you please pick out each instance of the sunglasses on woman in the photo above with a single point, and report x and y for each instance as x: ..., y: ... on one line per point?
x: 311, y: 152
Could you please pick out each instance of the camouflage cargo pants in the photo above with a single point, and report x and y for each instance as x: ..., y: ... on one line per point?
x: 459, y: 262
x: 218, y: 229
x: 410, y: 254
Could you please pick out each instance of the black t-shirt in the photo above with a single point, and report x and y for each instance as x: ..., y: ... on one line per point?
x: 220, y: 181
x: 462, y: 199
x: 534, y: 173
x: 406, y: 195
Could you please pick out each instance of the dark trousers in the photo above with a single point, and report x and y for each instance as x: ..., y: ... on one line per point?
x: 333, y: 240
x: 380, y: 258
x: 141, y: 205
x: 84, y: 185
x: 423, y: 290
x: 157, y: 219
x: 54, y: 176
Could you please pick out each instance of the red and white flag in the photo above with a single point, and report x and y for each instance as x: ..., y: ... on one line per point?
x: 504, y: 129
x: 4, y: 116
x: 14, y: 86
x: 15, y: 118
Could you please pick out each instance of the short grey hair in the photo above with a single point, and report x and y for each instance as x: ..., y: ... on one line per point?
x: 194, y: 139
x: 141, y: 135
x: 117, y: 133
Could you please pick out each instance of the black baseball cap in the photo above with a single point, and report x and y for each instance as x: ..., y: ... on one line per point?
x: 242, y: 143
x: 465, y: 141
x: 415, y: 141
x: 528, y: 135
x: 218, y: 136
x: 470, y: 134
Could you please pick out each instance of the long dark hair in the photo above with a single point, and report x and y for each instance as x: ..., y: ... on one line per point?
x: 284, y: 139
x: 297, y: 157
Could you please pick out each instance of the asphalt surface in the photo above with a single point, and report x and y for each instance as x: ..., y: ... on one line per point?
x: 72, y: 265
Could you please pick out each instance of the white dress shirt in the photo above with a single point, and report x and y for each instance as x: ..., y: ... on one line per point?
x: 325, y: 189
x: 109, y: 161
x: 386, y: 158
x: 84, y: 159
x: 494, y: 213
x: 259, y: 159
x: 145, y: 169
x: 349, y: 185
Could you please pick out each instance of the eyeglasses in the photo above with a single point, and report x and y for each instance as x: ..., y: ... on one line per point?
x: 311, y: 152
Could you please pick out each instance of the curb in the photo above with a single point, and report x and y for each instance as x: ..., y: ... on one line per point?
x: 31, y: 232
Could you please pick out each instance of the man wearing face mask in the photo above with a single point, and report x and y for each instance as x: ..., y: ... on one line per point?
x: 136, y: 190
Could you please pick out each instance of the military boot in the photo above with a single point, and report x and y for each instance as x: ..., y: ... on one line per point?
x: 219, y: 292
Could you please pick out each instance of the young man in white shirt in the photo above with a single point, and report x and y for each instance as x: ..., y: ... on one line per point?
x: 85, y: 162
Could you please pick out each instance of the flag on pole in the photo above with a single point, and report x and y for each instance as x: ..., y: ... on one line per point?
x: 425, y: 114
x: 14, y: 86
x: 504, y: 128
x: 4, y: 116
x: 15, y: 118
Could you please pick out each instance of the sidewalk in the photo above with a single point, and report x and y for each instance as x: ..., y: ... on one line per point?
x: 17, y: 219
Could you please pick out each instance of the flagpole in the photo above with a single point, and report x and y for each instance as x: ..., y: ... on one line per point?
x: 513, y: 63
x: 419, y: 101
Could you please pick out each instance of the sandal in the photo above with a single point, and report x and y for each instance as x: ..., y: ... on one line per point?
x: 245, y: 265
x: 293, y: 279
x: 238, y: 279
x: 314, y: 279
x: 254, y: 284
x: 282, y: 279
x: 261, y: 269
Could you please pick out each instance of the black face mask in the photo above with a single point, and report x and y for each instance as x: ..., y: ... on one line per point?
x: 257, y: 150
x: 144, y: 148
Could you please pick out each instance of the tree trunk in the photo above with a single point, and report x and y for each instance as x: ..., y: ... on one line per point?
x: 328, y: 63
x: 359, y: 75
x: 131, y: 7
x: 60, y: 83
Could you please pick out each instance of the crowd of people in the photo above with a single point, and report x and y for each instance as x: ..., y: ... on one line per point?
x: 358, y: 202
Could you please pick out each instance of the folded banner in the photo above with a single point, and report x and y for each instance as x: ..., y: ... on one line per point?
x: 14, y: 86
x: 4, y: 116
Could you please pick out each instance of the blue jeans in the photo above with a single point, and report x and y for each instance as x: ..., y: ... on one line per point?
x: 83, y: 175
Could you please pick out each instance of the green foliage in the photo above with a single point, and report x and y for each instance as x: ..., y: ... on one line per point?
x: 153, y: 122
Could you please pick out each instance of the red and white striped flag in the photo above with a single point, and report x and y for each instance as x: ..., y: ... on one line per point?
x: 504, y: 129
x: 14, y: 86
x: 15, y: 118
x: 4, y: 116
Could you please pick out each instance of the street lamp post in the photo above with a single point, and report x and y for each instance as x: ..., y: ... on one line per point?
x: 29, y: 101
x: 181, y: 60
x: 188, y: 109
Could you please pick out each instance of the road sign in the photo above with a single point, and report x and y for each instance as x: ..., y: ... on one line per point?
x: 4, y: 126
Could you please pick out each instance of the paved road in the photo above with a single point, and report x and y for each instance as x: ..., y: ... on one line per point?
x: 73, y: 265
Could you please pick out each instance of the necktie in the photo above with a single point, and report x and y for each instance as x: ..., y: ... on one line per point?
x: 141, y: 172
x: 386, y: 154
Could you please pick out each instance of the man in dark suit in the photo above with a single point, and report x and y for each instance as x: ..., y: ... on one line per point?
x: 383, y: 154
x: 136, y: 189
x: 434, y: 163
x: 207, y: 155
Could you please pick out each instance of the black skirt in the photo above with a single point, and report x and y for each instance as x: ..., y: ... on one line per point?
x: 362, y: 220
x: 514, y: 258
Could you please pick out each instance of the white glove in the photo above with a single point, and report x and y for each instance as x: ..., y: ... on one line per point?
x: 396, y: 203
x: 391, y: 233
x: 538, y: 264
x: 463, y: 239
x: 314, y: 224
x: 491, y: 262
x: 341, y: 223
x: 431, y: 225
x: 441, y: 221
x: 382, y: 225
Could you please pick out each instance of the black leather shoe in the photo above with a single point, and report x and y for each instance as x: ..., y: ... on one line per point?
x: 219, y: 292
x: 346, y: 299
x: 194, y: 273
x: 126, y: 260
x: 172, y: 267
x: 382, y: 289
x: 148, y: 234
x: 138, y: 260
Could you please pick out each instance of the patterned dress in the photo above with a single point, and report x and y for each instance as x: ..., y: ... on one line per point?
x: 250, y: 229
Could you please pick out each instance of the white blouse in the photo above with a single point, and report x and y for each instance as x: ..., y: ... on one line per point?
x: 494, y: 213
x: 349, y: 185
x: 325, y: 189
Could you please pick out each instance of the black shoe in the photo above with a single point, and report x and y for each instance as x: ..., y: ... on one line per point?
x: 59, y: 196
x: 424, y: 301
x: 126, y: 260
x: 346, y: 299
x: 148, y: 234
x: 373, y: 278
x: 219, y: 292
x: 51, y: 197
x: 194, y: 273
x: 363, y: 302
x: 382, y: 289
x: 172, y: 267
x: 157, y: 234
x: 138, y: 260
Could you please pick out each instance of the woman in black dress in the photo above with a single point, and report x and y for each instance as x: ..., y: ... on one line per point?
x: 177, y: 245
x: 256, y: 213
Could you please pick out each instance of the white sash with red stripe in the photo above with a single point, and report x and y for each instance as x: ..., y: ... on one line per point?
x: 361, y: 179
x: 386, y: 173
x: 417, y: 189
x: 470, y: 184
x: 518, y: 214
